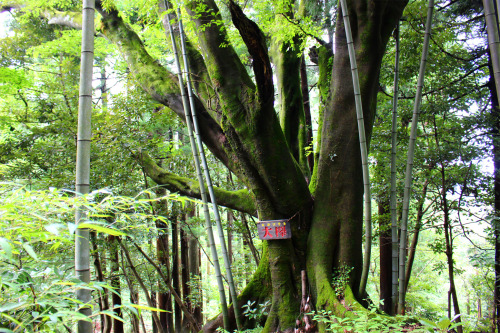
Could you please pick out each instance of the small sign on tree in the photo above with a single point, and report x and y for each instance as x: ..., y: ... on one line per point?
x: 274, y: 229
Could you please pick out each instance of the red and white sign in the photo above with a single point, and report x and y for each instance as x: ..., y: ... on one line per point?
x: 274, y: 229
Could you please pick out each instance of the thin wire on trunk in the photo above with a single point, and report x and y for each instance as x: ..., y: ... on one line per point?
x: 208, y: 179
x: 393, y: 198
x: 411, y: 155
x: 82, y: 247
x: 208, y: 222
x: 364, y: 150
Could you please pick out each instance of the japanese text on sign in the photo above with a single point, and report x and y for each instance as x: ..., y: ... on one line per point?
x: 274, y: 229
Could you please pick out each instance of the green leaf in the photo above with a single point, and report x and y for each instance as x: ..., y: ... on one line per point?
x: 6, y: 247
x: 8, y: 307
x: 112, y: 314
x: 98, y: 228
x: 444, y: 323
x: 30, y: 251
x: 143, y: 307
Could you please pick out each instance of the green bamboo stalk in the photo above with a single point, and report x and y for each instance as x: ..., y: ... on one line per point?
x: 411, y: 155
x: 194, y: 150
x: 493, y: 40
x: 363, y: 147
x: 82, y: 247
x: 494, y: 46
x: 394, y: 220
x: 208, y: 179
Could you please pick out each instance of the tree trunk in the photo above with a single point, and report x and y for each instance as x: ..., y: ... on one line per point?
x: 115, y: 284
x: 175, y: 271
x: 194, y: 269
x: 185, y: 273
x: 416, y: 231
x: 449, y: 246
x: 337, y: 218
x: 385, y: 256
x: 164, y: 296
x: 103, y: 301
x: 393, y: 197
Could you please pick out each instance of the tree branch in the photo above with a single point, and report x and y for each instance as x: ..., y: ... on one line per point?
x: 240, y: 200
x: 159, y: 83
x: 256, y: 44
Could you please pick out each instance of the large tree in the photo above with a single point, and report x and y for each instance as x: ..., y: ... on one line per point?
x: 239, y: 124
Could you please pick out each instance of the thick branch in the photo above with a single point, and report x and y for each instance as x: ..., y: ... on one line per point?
x: 159, y: 83
x: 256, y: 44
x: 240, y: 200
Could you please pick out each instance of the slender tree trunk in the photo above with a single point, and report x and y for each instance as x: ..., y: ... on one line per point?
x: 115, y: 284
x: 479, y: 309
x: 175, y: 271
x: 416, y: 231
x: 449, y: 246
x: 194, y: 269
x: 164, y: 296
x: 249, y: 239
x: 385, y: 238
x: 133, y: 297
x: 82, y: 247
x: 393, y: 198
x: 411, y: 155
x: 103, y: 301
x: 185, y: 273
x: 141, y: 284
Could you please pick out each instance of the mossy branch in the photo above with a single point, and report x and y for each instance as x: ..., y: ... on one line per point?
x: 256, y: 44
x: 240, y: 200
x: 158, y: 82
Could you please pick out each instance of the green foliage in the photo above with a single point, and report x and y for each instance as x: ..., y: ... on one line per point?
x: 444, y: 325
x: 37, y: 283
x: 362, y: 321
x: 253, y: 312
x: 341, y: 279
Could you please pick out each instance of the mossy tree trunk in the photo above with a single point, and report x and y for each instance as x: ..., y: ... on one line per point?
x: 243, y: 131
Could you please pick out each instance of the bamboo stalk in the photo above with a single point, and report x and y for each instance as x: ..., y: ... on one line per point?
x: 363, y: 147
x: 208, y: 179
x: 493, y: 40
x: 82, y: 183
x: 194, y: 150
x: 411, y: 155
x: 393, y: 199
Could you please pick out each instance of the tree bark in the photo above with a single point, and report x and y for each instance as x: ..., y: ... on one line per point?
x: 416, y: 231
x: 115, y: 284
x: 103, y: 301
x: 175, y: 270
x: 449, y: 246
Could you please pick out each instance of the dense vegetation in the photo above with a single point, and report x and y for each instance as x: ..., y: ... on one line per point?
x: 273, y: 89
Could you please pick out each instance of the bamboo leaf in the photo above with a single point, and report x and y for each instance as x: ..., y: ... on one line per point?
x: 148, y: 308
x: 98, y: 228
x: 6, y: 247
x: 30, y: 251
